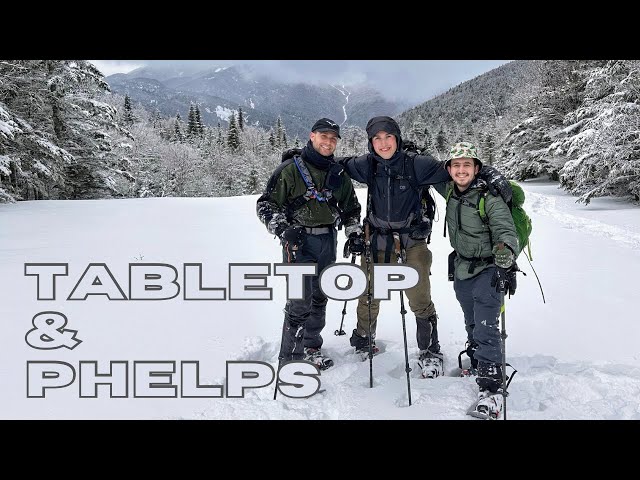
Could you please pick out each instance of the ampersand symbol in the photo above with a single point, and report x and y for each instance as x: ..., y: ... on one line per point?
x: 49, y: 333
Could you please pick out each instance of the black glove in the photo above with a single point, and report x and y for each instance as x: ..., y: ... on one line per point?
x: 513, y: 282
x: 500, y: 279
x: 292, y: 152
x: 505, y: 280
x: 294, y: 236
x: 354, y: 245
x: 422, y: 230
x: 292, y: 240
x: 496, y: 183
x: 277, y: 225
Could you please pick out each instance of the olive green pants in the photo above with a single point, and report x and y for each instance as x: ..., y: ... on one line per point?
x: 419, y: 257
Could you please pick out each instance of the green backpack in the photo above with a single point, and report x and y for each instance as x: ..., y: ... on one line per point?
x: 521, y: 220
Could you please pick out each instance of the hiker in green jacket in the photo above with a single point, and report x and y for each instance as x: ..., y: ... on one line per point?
x: 484, y: 253
x: 306, y: 198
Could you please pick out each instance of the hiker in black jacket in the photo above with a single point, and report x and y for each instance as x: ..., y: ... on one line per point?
x: 307, y: 196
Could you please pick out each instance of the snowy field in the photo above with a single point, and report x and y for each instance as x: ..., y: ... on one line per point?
x: 577, y: 355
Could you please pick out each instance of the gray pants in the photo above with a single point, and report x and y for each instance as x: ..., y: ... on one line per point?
x: 304, y: 319
x: 419, y: 297
x: 480, y: 303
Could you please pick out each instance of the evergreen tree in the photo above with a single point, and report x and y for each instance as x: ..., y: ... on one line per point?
x: 272, y: 140
x: 155, y: 118
x: 427, y: 143
x: 233, y: 135
x: 488, y: 145
x: 51, y: 120
x: 219, y: 136
x: 199, y: 124
x: 177, y: 130
x: 442, y: 144
x: 240, y: 119
x: 192, y: 125
x: 252, y: 186
x: 469, y: 135
x: 127, y: 114
x: 417, y: 130
x: 279, y: 133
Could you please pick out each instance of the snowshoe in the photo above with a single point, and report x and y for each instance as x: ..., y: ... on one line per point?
x: 431, y: 364
x: 489, y: 406
x: 314, y: 355
x: 363, y: 353
x: 362, y: 346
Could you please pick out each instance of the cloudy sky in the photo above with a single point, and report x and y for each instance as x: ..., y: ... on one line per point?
x: 411, y: 80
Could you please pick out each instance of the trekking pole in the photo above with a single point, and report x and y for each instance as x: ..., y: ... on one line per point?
x: 367, y: 252
x: 536, y: 274
x: 504, y: 357
x: 340, y: 331
x: 290, y: 257
x: 275, y: 391
x: 401, y: 259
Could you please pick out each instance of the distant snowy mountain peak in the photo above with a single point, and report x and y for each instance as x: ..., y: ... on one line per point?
x: 226, y: 88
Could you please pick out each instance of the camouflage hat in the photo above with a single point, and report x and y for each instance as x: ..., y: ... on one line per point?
x: 463, y: 150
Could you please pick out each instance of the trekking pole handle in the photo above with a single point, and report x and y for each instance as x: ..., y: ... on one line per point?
x: 396, y: 243
x: 400, y: 253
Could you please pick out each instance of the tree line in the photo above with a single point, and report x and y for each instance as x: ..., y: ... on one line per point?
x: 64, y: 135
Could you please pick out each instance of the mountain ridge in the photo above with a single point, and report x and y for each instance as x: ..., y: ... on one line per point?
x: 219, y: 90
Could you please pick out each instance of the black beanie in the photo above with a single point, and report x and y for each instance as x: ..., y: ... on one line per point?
x: 378, y: 124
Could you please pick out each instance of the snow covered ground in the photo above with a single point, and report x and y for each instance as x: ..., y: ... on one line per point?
x: 576, y: 356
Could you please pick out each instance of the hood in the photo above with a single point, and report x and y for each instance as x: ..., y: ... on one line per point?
x: 383, y: 123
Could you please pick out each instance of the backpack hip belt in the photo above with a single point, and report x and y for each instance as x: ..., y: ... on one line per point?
x: 475, y: 260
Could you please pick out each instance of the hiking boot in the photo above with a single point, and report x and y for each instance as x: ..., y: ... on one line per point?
x: 489, y: 376
x: 362, y: 345
x: 314, y: 355
x: 431, y: 364
x: 470, y: 349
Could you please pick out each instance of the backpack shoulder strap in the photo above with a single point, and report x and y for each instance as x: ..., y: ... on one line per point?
x: 324, y: 195
x: 449, y: 193
x: 481, y: 206
x: 412, y: 177
x: 373, y: 169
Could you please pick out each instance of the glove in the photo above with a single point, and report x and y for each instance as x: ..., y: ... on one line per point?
x: 294, y: 236
x: 292, y: 239
x: 292, y: 152
x: 511, y: 276
x: 277, y: 225
x: 354, y: 245
x: 496, y: 183
x: 503, y: 257
x: 505, y: 279
x: 500, y: 279
x: 421, y: 231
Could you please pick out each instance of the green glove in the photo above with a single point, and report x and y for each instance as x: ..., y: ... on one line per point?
x: 503, y: 257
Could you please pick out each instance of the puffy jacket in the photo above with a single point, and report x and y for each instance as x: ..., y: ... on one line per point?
x: 472, y: 238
